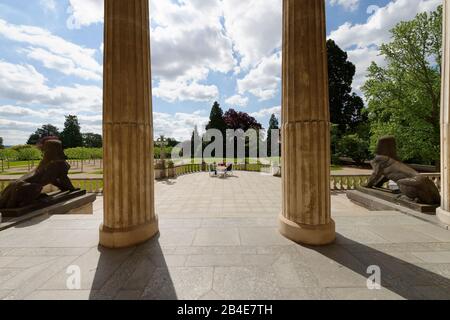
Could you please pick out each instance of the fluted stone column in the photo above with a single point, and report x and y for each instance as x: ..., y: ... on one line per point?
x: 444, y: 211
x: 306, y: 216
x: 129, y: 214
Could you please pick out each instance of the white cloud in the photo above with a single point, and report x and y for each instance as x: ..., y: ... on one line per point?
x: 50, y: 115
x: 17, y: 132
x: 237, y: 100
x: 264, y: 80
x: 6, y: 124
x: 255, y: 27
x: 53, y: 51
x: 188, y: 42
x: 180, y: 125
x: 48, y: 5
x: 17, y: 122
x: 24, y: 84
x: 267, y: 112
x: 362, y: 41
x: 84, y: 13
x: 377, y: 28
x: 62, y: 64
x: 372, y: 9
x: 15, y: 111
x: 350, y: 5
x: 12, y: 137
x: 362, y: 58
x: 172, y: 91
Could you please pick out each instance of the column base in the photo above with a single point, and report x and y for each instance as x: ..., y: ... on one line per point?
x: 309, y: 235
x: 123, y: 238
x: 443, y: 216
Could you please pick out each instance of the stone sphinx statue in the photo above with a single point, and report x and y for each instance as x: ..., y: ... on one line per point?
x: 386, y: 166
x: 53, y: 170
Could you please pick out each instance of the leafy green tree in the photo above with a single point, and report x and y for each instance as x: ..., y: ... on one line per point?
x: 46, y: 130
x: 92, y: 140
x: 167, y: 152
x: 79, y: 153
x: 7, y: 155
x: 240, y: 121
x: 346, y: 108
x: 19, y: 147
x: 216, y: 120
x: 71, y: 136
x: 335, y: 137
x: 195, y: 137
x: 274, y: 124
x: 235, y: 120
x: 29, y: 154
x: 354, y: 147
x: 97, y: 153
x: 404, y: 96
x: 171, y: 142
x: 1, y: 143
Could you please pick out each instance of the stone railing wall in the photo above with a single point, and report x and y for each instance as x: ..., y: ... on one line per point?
x: 91, y: 185
x: 338, y: 182
x: 350, y: 182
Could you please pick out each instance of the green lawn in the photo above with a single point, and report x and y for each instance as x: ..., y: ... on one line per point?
x: 15, y: 173
x: 24, y: 164
x: 15, y: 164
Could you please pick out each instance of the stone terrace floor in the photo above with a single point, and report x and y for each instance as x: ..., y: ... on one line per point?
x: 219, y: 240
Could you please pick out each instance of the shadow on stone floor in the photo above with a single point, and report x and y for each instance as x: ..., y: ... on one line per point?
x: 409, y: 281
x: 33, y: 222
x: 169, y: 182
x: 142, y: 273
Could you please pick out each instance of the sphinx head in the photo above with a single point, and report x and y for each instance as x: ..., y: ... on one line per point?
x: 52, y: 149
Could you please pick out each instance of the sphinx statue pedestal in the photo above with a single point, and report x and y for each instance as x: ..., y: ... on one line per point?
x: 79, y: 203
x: 27, y: 198
x: 415, y: 192
x: 379, y: 200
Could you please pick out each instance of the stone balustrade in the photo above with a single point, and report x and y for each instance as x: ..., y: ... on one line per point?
x: 338, y: 182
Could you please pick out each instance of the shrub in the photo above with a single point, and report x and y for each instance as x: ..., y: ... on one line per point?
x: 354, y: 147
x: 9, y: 154
x: 167, y: 152
x: 29, y: 154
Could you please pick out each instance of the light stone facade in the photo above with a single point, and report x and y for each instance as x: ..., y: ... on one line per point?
x: 444, y: 211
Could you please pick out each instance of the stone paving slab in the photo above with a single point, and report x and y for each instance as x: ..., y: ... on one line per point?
x: 224, y: 244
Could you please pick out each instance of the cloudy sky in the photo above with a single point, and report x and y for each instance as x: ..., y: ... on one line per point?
x: 202, y: 51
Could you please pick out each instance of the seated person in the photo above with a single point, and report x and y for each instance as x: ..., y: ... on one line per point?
x: 213, y: 168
